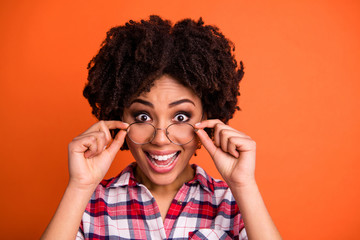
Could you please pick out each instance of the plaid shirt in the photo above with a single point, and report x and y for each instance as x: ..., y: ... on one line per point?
x: 122, y: 208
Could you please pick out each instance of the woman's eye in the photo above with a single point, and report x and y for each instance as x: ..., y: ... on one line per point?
x: 142, y: 118
x: 181, y: 117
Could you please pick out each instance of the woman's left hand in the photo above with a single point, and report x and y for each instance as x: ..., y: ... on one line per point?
x: 233, y: 152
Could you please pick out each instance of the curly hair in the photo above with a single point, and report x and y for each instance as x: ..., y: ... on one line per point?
x: 133, y: 56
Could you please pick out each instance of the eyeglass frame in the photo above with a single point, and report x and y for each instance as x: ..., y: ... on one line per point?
x: 166, y: 132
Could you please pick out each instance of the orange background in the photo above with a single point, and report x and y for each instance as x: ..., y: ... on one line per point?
x: 300, y: 102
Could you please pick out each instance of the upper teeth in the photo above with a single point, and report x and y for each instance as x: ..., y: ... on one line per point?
x: 163, y: 157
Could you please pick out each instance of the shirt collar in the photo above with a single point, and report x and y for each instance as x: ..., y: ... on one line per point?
x: 201, y: 177
x: 127, y: 178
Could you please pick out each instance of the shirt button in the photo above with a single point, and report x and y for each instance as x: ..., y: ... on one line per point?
x: 179, y: 202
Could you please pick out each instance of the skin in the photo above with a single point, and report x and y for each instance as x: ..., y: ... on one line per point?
x: 233, y: 152
x: 158, y: 108
x: 165, y: 104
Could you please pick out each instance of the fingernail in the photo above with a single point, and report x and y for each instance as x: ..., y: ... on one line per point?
x: 197, y: 124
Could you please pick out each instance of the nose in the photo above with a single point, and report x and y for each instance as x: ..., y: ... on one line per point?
x: 160, y: 137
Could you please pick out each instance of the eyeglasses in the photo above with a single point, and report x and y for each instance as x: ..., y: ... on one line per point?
x: 177, y: 133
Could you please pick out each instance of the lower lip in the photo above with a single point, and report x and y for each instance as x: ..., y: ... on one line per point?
x: 162, y: 169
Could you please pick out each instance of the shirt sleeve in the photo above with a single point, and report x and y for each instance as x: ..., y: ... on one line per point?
x: 243, y: 235
x: 80, y: 236
x: 80, y: 233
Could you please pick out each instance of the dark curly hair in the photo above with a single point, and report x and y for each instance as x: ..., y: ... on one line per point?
x: 134, y: 55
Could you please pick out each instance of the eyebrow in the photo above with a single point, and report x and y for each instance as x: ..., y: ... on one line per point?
x: 147, y: 103
x: 142, y: 102
x: 180, y: 102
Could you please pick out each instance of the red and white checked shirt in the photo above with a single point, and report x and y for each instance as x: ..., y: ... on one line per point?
x: 122, y: 208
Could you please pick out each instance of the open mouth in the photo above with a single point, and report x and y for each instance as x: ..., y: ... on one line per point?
x: 162, y: 161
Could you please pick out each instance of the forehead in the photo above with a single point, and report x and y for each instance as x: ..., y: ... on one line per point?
x: 167, y: 88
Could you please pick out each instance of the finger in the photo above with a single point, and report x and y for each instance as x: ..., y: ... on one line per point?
x: 231, y: 148
x: 216, y: 123
x: 207, y: 142
x: 80, y: 145
x: 96, y: 148
x: 244, y: 144
x: 101, y: 141
x: 105, y: 130
x: 107, y: 124
x: 90, y: 143
x: 116, y: 143
x: 218, y: 126
x: 209, y: 123
x: 116, y: 125
x: 212, y: 123
x: 223, y: 138
x: 113, y: 148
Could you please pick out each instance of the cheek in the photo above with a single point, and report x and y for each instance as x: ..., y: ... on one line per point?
x: 192, y: 146
x: 134, y: 148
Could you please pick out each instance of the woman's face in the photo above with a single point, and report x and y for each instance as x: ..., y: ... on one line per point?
x: 162, y: 162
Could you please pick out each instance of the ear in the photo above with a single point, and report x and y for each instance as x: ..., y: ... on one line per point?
x: 204, y: 116
x: 197, y: 147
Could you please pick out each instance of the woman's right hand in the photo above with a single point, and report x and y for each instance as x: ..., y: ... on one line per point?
x: 92, y: 152
x: 90, y: 156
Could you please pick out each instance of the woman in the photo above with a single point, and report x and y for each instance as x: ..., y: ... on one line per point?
x: 162, y: 91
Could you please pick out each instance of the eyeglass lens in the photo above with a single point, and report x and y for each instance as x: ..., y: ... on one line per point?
x: 179, y: 133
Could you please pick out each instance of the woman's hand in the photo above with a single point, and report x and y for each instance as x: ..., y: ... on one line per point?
x: 90, y: 156
x: 232, y: 151
x: 234, y: 155
x: 92, y: 152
